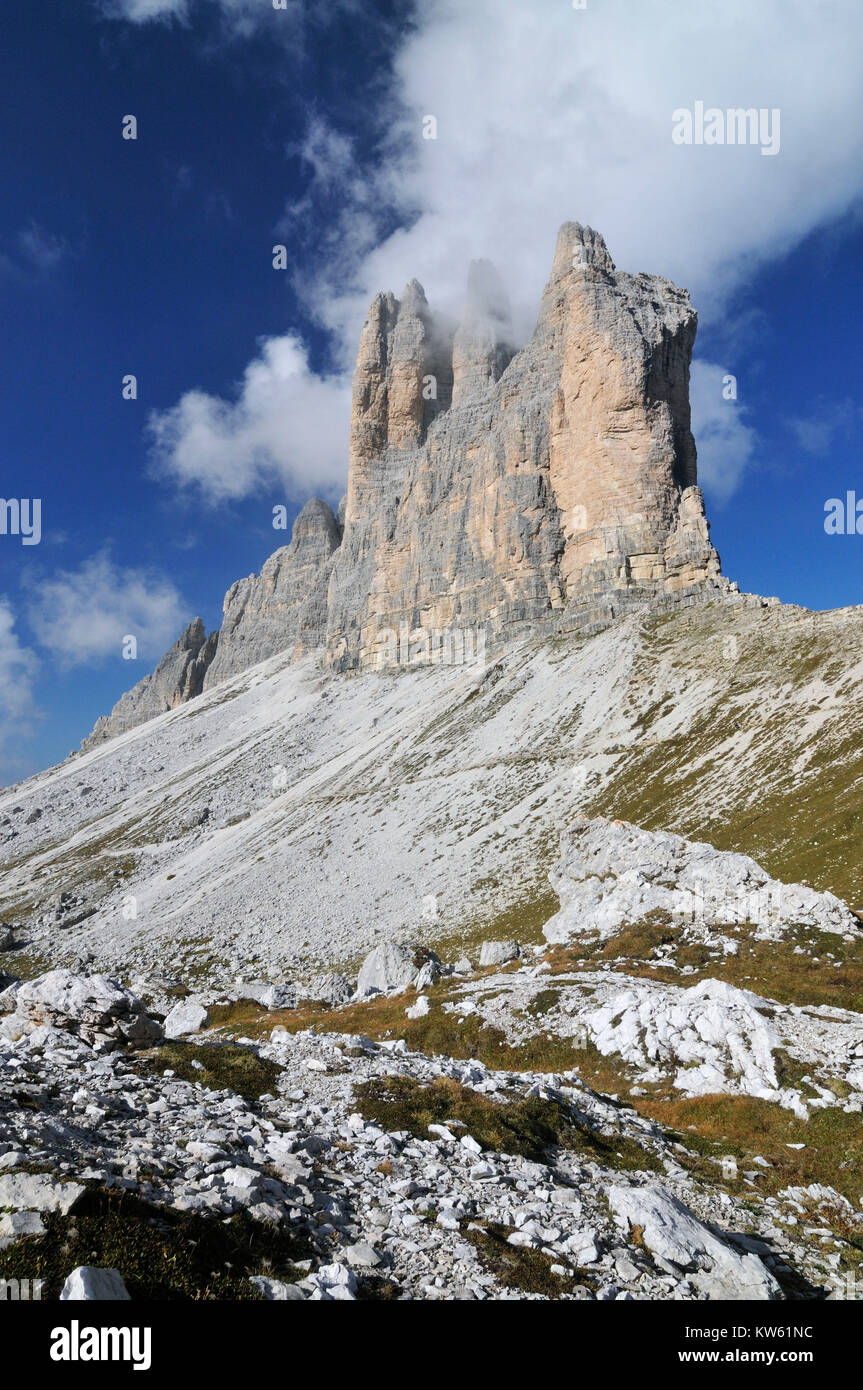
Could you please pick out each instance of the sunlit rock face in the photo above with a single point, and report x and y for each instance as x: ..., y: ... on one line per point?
x: 491, y: 488
x: 490, y: 491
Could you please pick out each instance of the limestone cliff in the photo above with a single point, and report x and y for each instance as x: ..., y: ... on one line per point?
x: 488, y: 488
x: 178, y: 677
x: 560, y: 477
x: 283, y: 606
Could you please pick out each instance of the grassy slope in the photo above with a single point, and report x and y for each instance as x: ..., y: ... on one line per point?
x: 771, y: 762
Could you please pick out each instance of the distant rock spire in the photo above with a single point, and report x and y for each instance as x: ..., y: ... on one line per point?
x: 482, y: 346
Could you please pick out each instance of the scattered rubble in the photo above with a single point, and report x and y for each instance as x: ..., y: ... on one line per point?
x: 611, y: 872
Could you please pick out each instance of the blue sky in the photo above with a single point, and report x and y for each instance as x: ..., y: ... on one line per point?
x: 303, y: 127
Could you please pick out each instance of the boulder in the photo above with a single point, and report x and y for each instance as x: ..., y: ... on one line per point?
x: 329, y: 988
x: 186, y: 1017
x: 362, y: 1256
x: 87, y: 1282
x: 392, y: 966
x: 498, y: 952
x: 37, y: 1192
x: 93, y: 1007
x: 428, y: 974
x: 269, y: 995
x: 21, y: 1223
x: 679, y: 1242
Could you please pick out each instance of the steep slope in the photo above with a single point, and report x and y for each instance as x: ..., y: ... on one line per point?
x: 294, y: 816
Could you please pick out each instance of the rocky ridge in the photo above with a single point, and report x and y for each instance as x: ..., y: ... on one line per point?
x: 489, y: 489
x: 178, y: 677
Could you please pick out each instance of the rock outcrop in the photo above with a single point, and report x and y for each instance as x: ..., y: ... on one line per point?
x: 611, y: 873
x: 283, y: 607
x: 562, y: 477
x: 103, y: 1013
x: 178, y: 677
x: 488, y: 489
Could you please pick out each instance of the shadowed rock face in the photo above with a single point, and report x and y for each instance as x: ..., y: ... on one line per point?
x: 283, y: 606
x: 178, y: 677
x: 487, y: 488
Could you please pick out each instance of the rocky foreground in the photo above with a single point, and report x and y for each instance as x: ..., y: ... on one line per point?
x: 545, y: 1189
x: 612, y: 1114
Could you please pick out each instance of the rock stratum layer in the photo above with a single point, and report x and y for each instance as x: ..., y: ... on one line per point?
x: 488, y: 489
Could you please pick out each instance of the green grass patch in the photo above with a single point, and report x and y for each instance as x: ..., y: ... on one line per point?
x: 528, y: 1126
x: 224, y: 1066
x: 518, y: 1266
x: 161, y: 1253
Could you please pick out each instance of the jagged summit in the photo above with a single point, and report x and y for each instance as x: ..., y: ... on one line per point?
x: 488, y: 489
x: 178, y: 677
x: 560, y: 477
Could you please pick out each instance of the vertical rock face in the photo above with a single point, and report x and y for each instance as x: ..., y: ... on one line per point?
x: 285, y: 605
x: 487, y: 488
x: 621, y: 452
x: 178, y: 677
x: 562, y: 476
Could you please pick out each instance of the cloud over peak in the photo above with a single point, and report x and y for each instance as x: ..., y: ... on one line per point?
x: 536, y: 115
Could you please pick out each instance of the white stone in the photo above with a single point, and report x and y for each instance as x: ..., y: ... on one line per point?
x: 498, y: 952
x: 680, y: 1242
x: 87, y: 1282
x: 37, y: 1192
x: 186, y: 1017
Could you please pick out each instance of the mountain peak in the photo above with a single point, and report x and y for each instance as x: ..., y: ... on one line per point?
x: 488, y: 488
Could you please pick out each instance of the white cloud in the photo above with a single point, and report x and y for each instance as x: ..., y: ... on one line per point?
x: 41, y: 248
x: 829, y: 426
x: 140, y: 11
x: 17, y: 705
x: 725, y: 442
x: 555, y: 114
x: 329, y: 153
x: 287, y: 427
x: 242, y: 18
x: 83, y: 615
x: 34, y: 253
x: 546, y: 113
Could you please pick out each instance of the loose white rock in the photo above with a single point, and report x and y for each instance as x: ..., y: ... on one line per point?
x: 93, y: 1284
x: 186, y: 1017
